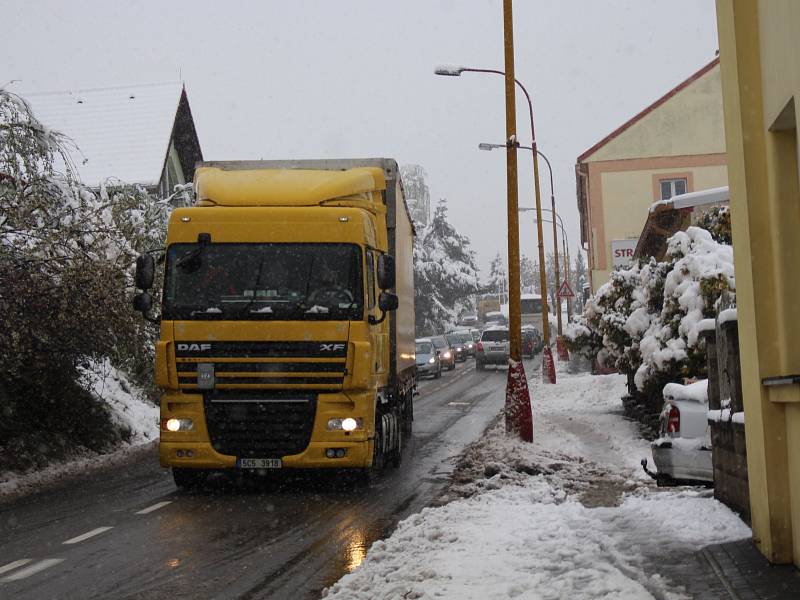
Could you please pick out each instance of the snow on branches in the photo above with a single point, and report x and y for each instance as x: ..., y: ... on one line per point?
x: 646, y: 319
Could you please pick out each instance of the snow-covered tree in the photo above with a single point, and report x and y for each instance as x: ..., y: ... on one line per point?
x: 417, y: 194
x: 66, y: 253
x: 578, y: 280
x: 496, y: 283
x: 445, y: 274
x: 529, y: 274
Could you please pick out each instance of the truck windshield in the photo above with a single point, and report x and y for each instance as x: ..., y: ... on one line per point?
x: 263, y: 282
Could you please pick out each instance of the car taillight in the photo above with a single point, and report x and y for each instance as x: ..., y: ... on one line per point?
x: 674, y: 420
x: 479, y: 347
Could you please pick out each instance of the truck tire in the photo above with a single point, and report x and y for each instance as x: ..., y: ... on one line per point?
x: 188, y: 479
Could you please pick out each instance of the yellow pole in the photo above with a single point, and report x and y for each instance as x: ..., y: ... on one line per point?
x: 514, y: 322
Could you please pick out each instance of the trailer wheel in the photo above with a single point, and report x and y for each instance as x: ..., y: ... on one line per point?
x: 188, y: 479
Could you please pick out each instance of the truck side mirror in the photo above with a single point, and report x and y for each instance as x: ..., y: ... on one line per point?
x: 145, y: 269
x: 386, y: 275
x: 388, y: 302
x: 143, y: 302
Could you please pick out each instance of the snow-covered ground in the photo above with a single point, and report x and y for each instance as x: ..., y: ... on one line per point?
x: 570, y: 516
x: 127, y: 408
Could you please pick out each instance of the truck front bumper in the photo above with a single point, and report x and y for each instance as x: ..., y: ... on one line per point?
x: 203, y: 456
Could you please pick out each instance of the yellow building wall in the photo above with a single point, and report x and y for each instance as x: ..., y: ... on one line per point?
x: 760, y: 57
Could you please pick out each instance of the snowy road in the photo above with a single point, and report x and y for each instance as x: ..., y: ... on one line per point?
x: 126, y: 532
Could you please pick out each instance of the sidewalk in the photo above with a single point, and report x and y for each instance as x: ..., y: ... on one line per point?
x: 746, y: 574
x: 570, y: 516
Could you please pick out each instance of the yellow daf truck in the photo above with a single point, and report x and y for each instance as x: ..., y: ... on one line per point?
x: 287, y: 319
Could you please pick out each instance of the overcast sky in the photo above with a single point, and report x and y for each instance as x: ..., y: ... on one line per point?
x: 322, y: 79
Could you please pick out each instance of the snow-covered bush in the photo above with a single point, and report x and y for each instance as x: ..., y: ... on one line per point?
x: 701, y: 271
x: 645, y: 320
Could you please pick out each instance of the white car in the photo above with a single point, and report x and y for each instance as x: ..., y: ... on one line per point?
x: 682, y: 452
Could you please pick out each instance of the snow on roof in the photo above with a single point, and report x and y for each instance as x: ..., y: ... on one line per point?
x: 121, y: 132
x: 691, y: 199
x: 696, y: 392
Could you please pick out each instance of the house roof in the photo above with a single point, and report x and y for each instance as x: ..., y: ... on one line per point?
x: 638, y: 117
x: 120, y: 132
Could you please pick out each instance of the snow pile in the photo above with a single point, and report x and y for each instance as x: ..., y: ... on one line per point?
x: 128, y: 408
x: 568, y: 516
x: 694, y: 392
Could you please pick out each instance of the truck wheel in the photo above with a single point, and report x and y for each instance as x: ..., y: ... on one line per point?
x: 188, y: 479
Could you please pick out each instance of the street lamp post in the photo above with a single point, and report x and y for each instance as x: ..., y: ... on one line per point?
x: 565, y: 248
x: 456, y: 72
x: 484, y: 146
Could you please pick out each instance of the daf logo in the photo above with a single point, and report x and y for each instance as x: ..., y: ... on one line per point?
x: 194, y: 347
x: 331, y: 347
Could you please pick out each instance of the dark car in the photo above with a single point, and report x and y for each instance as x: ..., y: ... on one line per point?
x: 446, y: 355
x: 531, y: 341
x: 456, y: 341
x: 465, y: 338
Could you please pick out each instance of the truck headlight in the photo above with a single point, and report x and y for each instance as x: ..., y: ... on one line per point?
x: 177, y: 425
x: 345, y: 424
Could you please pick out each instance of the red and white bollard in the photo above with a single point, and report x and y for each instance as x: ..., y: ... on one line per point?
x: 519, y: 417
x: 548, y: 366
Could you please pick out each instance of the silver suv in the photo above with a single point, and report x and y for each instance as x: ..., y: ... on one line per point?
x: 493, y: 348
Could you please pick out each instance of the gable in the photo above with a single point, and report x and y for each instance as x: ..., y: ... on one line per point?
x: 687, y: 121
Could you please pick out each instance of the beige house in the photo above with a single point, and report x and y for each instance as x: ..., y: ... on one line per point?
x: 674, y: 146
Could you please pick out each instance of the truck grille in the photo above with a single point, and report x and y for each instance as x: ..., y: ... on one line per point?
x: 243, y: 425
x: 264, y: 365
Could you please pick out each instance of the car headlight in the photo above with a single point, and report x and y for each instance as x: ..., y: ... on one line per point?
x: 447, y: 355
x: 432, y: 360
x: 459, y: 349
x: 345, y: 424
x: 469, y: 345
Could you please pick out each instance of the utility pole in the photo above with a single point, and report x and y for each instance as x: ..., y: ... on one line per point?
x: 514, y: 320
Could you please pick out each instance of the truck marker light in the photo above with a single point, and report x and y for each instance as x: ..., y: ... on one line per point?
x: 344, y: 219
x: 186, y: 219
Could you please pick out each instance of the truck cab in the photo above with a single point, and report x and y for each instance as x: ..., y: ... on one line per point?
x: 287, y: 319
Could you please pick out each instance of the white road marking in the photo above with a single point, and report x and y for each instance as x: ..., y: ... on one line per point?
x: 150, y: 509
x: 87, y: 535
x: 14, y: 565
x: 33, y: 569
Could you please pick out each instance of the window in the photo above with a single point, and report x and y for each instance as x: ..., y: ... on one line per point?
x: 672, y: 187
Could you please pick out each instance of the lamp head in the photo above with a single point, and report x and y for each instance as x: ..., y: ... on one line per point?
x: 449, y: 70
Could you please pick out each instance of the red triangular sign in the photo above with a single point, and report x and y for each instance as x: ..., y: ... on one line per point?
x: 565, y: 291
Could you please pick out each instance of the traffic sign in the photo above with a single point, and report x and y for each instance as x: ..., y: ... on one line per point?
x: 565, y: 291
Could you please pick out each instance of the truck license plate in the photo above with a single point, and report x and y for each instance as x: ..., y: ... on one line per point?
x: 258, y: 463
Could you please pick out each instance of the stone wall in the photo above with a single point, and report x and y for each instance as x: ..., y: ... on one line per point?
x: 727, y: 436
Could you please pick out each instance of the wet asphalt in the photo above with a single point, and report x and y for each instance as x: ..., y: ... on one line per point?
x: 127, y: 532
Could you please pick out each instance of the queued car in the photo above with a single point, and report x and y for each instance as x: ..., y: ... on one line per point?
x: 428, y: 362
x: 446, y: 354
x: 476, y: 335
x: 456, y: 342
x: 493, y: 349
x: 531, y: 341
x: 682, y: 452
x: 494, y: 318
x: 465, y: 337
